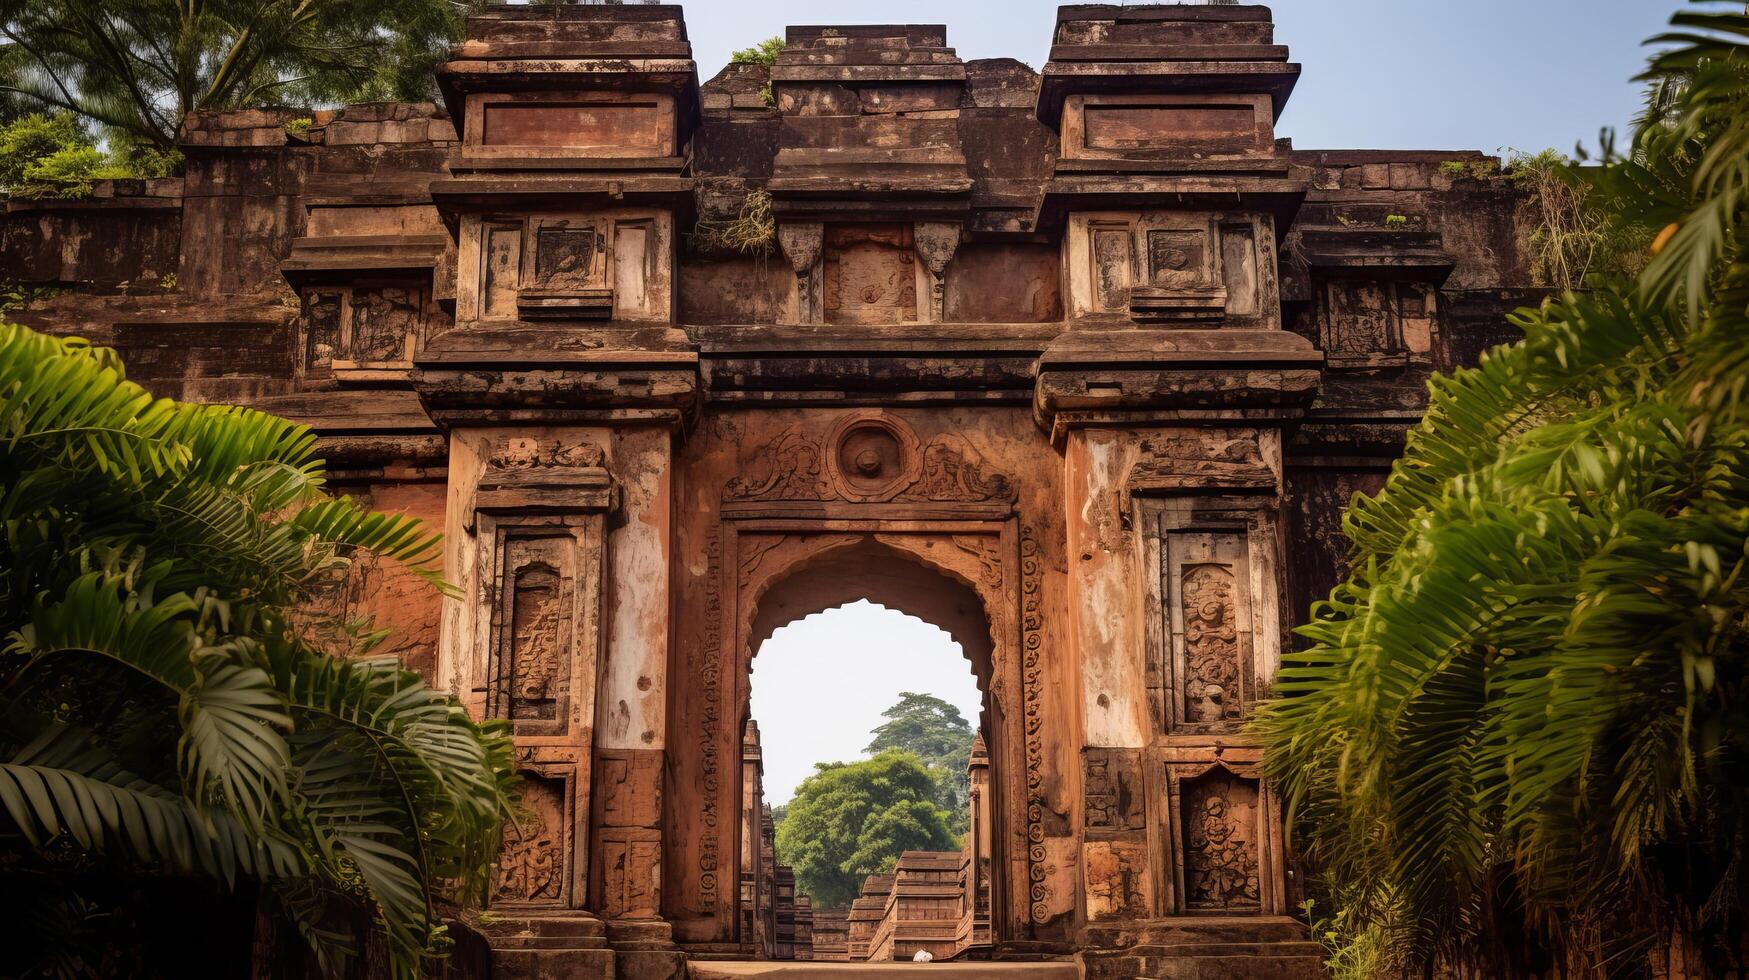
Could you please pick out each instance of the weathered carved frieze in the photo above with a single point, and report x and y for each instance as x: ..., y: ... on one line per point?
x: 796, y: 467
x: 1201, y: 460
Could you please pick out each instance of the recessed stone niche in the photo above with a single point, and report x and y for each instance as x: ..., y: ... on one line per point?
x: 595, y: 266
x: 870, y: 274
x: 364, y: 326
x: 534, y: 865
x: 1183, y: 269
x: 544, y: 124
x: 1221, y: 818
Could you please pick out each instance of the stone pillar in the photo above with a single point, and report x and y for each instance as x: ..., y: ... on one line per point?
x: 980, y: 841
x: 524, y: 642
x: 754, y: 898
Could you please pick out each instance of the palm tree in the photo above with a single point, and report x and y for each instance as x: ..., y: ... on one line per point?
x: 167, y: 703
x: 1519, y: 739
x: 137, y: 68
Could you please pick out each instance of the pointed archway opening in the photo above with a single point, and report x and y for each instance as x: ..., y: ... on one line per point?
x: 867, y: 657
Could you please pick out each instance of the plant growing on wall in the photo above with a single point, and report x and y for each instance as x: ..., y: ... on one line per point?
x: 168, y: 702
x: 137, y: 68
x: 1519, y: 740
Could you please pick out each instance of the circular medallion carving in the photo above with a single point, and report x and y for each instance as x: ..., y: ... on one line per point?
x: 873, y: 457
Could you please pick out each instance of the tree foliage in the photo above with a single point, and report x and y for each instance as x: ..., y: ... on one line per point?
x: 853, y: 819
x: 165, y: 707
x: 137, y: 68
x: 937, y: 733
x: 1518, y: 740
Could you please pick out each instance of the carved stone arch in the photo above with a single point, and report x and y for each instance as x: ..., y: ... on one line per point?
x: 963, y: 576
x: 922, y: 575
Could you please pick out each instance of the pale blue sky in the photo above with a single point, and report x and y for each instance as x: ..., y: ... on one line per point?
x: 1394, y: 74
x: 820, y: 685
x: 1491, y: 75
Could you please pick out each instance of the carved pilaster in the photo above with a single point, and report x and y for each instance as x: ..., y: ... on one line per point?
x: 539, y: 524
x: 801, y: 243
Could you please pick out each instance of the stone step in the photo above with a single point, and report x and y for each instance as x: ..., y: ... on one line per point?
x: 547, y: 964
x: 543, y: 931
x: 769, y: 970
x: 1301, y: 948
x: 1211, y: 961
x: 1194, y: 929
x: 545, y: 925
x: 1234, y: 968
x: 546, y: 942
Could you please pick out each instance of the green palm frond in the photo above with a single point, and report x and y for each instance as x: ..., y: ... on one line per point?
x: 60, y: 785
x: 158, y: 563
x: 231, y: 713
x: 1515, y: 731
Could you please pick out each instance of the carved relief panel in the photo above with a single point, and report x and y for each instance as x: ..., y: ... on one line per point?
x: 605, y: 265
x: 1181, y: 269
x: 870, y: 274
x: 1220, y: 814
x: 1206, y: 587
x: 533, y: 628
x: 535, y: 861
x: 885, y: 273
x: 1363, y: 322
x: 1225, y: 837
x: 366, y: 326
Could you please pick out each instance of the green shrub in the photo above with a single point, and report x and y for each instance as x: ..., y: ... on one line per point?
x: 763, y: 53
x: 28, y: 139
x: 69, y: 172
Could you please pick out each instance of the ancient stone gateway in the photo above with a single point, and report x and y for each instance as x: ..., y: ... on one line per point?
x: 1080, y: 365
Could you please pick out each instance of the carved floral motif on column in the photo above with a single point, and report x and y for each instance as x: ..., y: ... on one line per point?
x: 1211, y: 645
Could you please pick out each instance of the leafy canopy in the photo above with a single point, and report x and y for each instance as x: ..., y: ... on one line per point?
x: 166, y: 706
x: 137, y: 68
x: 1521, y: 728
x: 49, y: 156
x: 937, y: 733
x: 853, y: 819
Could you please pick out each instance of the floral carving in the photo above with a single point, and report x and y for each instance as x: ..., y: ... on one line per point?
x: 794, y: 468
x: 1211, y: 645
x: 951, y: 471
x: 793, y: 471
x: 1220, y: 844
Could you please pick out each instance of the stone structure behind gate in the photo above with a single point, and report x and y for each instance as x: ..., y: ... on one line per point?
x: 1079, y: 364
